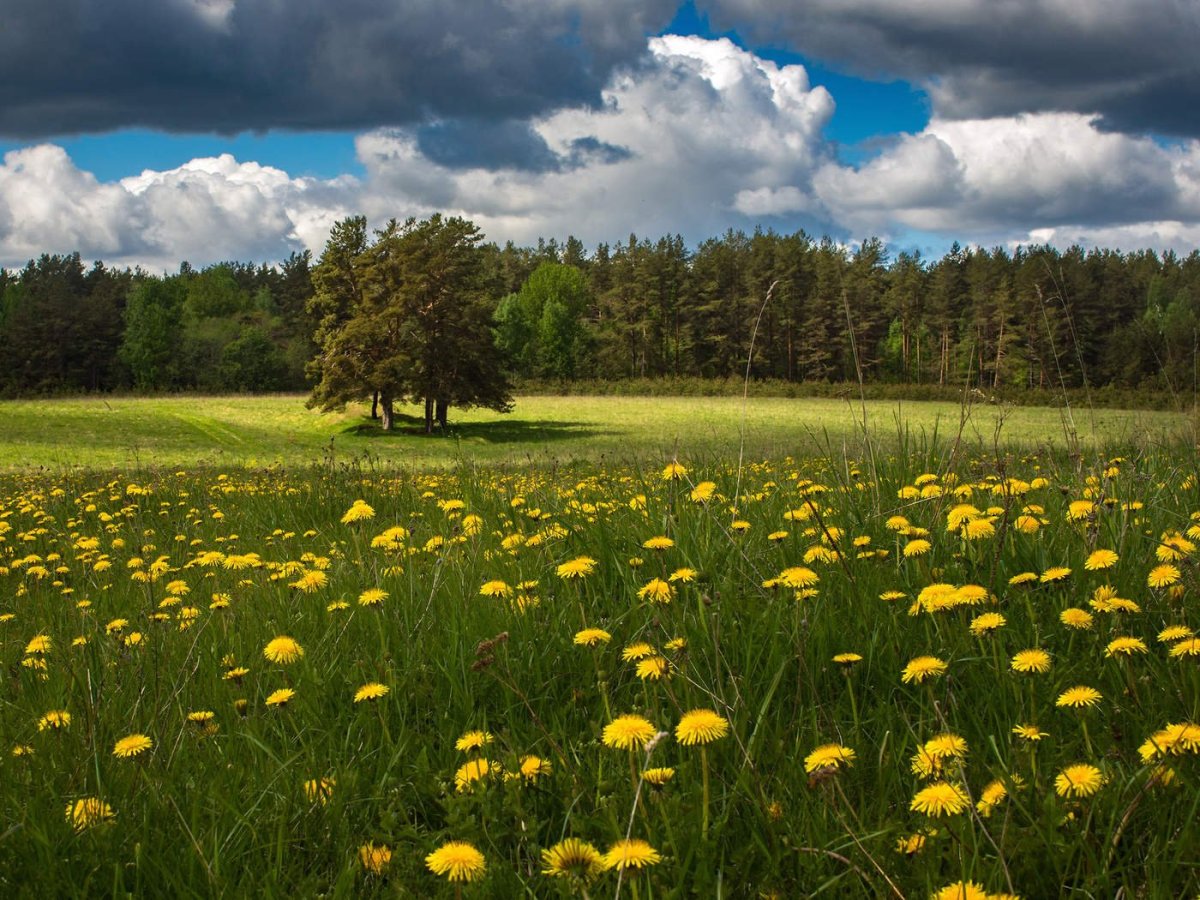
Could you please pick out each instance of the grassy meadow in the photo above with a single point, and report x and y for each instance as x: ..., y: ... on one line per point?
x: 612, y: 663
x: 132, y: 434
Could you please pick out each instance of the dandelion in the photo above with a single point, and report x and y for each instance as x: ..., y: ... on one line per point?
x: 1174, y: 633
x: 703, y: 492
x: 992, y: 795
x: 372, y: 691
x: 828, y: 756
x: 1188, y: 647
x: 372, y: 597
x: 319, y: 790
x: 132, y: 745
x: 590, y: 637
x: 457, y: 860
x: 1054, y: 573
x: 531, y: 768
x: 986, y: 623
x: 56, y: 720
x: 1031, y: 661
x: 847, y: 659
x: 700, y: 726
x: 656, y: 591
x: 916, y: 548
x: 660, y: 542
x: 674, y: 471
x: 283, y: 650
x: 1030, y: 733
x: 472, y: 741
x: 580, y: 567
x: 495, y: 588
x: 658, y: 776
x: 917, y: 670
x: 631, y: 853
x: 375, y: 858
x: 572, y: 858
x: 470, y: 772
x: 1079, y: 696
x: 1124, y: 646
x: 40, y: 645
x: 1080, y: 780
x: 1100, y: 559
x: 939, y: 799
x: 961, y: 890
x: 627, y: 732
x: 1163, y: 576
x: 797, y: 577
x: 280, y: 697
x: 1079, y: 619
x: 310, y: 581
x: 88, y: 812
x: 683, y: 574
x: 358, y: 511
x: 652, y: 668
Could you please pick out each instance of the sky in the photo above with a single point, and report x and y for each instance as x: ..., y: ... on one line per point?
x: 148, y: 132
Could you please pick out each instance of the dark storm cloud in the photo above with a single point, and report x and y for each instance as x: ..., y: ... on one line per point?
x: 74, y: 66
x: 479, y: 144
x: 1133, y: 62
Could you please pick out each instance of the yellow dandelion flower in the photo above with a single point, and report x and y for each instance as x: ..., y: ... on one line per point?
x: 828, y: 756
x: 590, y: 637
x: 319, y: 790
x: 495, y: 588
x: 847, y: 659
x: 310, y: 581
x: 131, y: 746
x: 283, y: 650
x: 700, y: 726
x: 1079, y: 696
x: 372, y: 597
x: 470, y: 772
x: 88, y: 812
x: 580, y: 567
x: 674, y: 471
x: 661, y: 542
x: 987, y: 623
x: 1080, y: 780
x: 572, y: 858
x: 40, y: 645
x: 627, y: 732
x: 372, y: 691
x: 653, y: 668
x: 797, y: 577
x: 1029, y: 733
x: 1163, y: 576
x: 703, y: 492
x: 375, y: 858
x: 1125, y: 646
x: 281, y: 697
x: 358, y: 511
x: 457, y: 860
x: 917, y: 548
x: 961, y: 890
x: 632, y: 853
x: 658, y: 776
x: 917, y: 670
x: 473, y: 740
x: 940, y: 799
x: 992, y: 795
x: 656, y: 591
x: 640, y: 650
x: 531, y: 768
x: 1034, y: 661
x: 1174, y: 633
x: 1054, y: 573
x: 1100, y: 559
x: 1188, y: 647
x: 1074, y: 617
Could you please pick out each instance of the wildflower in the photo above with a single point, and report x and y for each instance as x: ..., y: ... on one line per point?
x: 921, y: 668
x: 1100, y: 559
x: 201, y: 717
x: 132, y: 745
x: 1124, y: 646
x: 703, y: 492
x: 590, y: 637
x: 640, y: 650
x: 532, y: 767
x: 675, y: 645
x: 1035, y: 661
x: 1189, y: 647
x: 700, y: 726
x: 990, y: 797
x: 1163, y: 576
x: 911, y: 845
x: 656, y: 591
x: 1174, y: 739
x: 961, y: 890
x: 946, y: 746
x: 40, y: 644
x: 310, y: 581
x: 1079, y: 696
x: 237, y: 673
x: 828, y: 756
x: 280, y: 697
x: 283, y: 650
x: 1030, y: 733
x: 847, y: 659
x: 375, y: 858
x: 940, y: 798
x: 56, y: 719
x: 917, y: 548
x: 1080, y: 780
x: 88, y: 812
x: 372, y: 597
x: 470, y: 772
x: 1054, y: 573
x: 797, y: 577
x: 319, y: 790
x: 1174, y: 633
x: 1023, y: 578
x: 628, y: 731
x: 674, y: 471
x: 652, y: 668
x: 580, y: 567
x: 978, y: 529
x: 572, y: 858
x: 631, y: 853
x: 658, y: 776
x: 473, y: 740
x: 371, y: 691
x: 495, y: 588
x: 658, y: 543
x: 358, y: 511
x: 683, y: 574
x: 457, y: 860
x: 1079, y: 619
x: 987, y: 623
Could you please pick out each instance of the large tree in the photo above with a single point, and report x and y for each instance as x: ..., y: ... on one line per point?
x: 407, y: 316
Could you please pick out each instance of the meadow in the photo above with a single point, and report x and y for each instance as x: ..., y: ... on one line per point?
x: 906, y: 667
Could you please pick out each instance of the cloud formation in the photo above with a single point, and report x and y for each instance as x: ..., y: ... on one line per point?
x: 1131, y: 62
x: 698, y: 137
x: 75, y: 66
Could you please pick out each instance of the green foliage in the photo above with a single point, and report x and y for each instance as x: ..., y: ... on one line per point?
x: 154, y: 334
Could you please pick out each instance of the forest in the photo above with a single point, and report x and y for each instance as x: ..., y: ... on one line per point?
x: 812, y: 310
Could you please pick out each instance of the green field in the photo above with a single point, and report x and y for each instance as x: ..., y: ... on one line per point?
x: 135, y: 434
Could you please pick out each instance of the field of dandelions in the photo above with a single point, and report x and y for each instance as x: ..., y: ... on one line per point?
x: 897, y: 677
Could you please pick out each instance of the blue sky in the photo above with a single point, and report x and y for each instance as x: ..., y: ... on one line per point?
x: 211, y: 129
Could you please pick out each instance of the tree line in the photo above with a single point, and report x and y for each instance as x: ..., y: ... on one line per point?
x: 811, y: 310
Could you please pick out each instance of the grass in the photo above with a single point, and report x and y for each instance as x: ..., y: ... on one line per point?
x: 185, y: 432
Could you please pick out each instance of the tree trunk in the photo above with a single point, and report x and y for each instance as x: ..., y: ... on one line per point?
x: 443, y: 408
x: 385, y: 407
x: 429, y: 415
x: 374, y: 405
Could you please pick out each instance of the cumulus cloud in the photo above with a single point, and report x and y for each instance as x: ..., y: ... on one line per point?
x: 73, y: 66
x: 1129, y: 61
x: 698, y: 137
